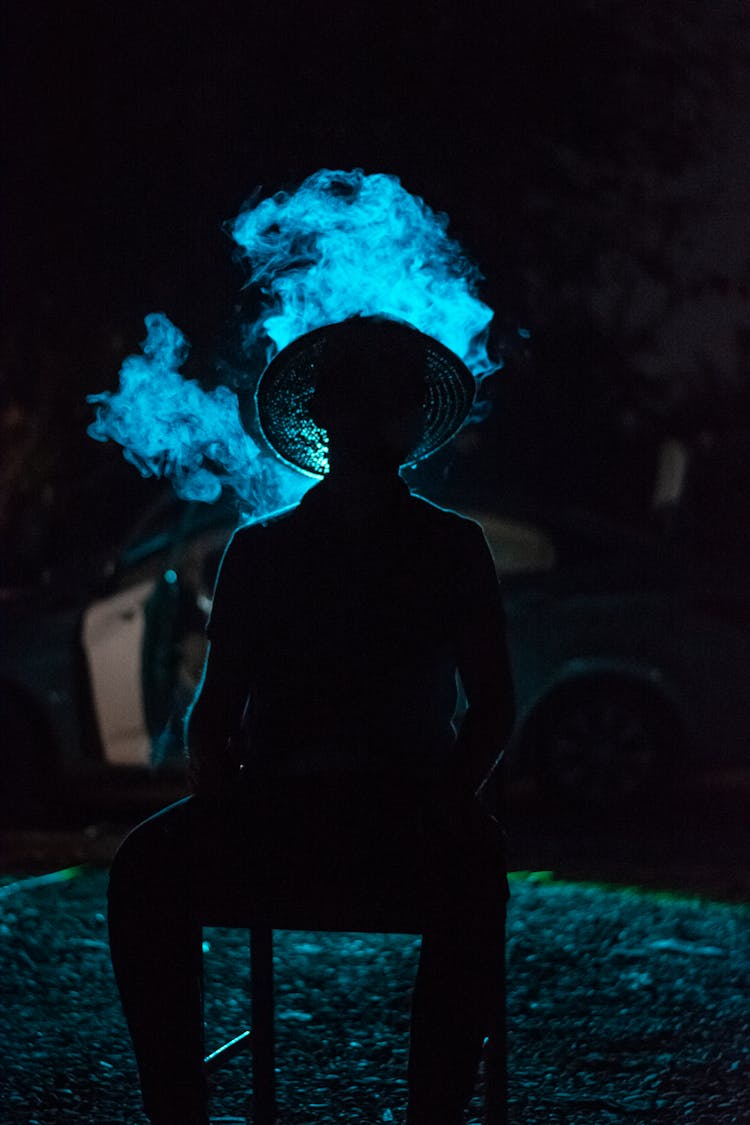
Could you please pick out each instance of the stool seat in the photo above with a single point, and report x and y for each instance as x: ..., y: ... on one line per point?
x: 350, y: 917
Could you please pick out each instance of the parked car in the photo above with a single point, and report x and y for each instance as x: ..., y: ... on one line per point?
x: 630, y: 657
x: 630, y: 661
x: 97, y: 663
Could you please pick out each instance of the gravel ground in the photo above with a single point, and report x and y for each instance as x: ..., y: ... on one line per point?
x: 624, y: 1006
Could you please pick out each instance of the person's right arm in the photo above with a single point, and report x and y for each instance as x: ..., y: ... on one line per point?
x: 485, y: 670
x: 484, y: 666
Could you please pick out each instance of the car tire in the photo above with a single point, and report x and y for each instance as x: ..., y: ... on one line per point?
x: 602, y: 745
x: 27, y: 782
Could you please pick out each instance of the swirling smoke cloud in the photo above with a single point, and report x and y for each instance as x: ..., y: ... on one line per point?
x: 346, y: 243
x: 343, y: 243
x: 170, y: 426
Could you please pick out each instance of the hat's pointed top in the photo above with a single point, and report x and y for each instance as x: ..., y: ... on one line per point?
x: 285, y: 391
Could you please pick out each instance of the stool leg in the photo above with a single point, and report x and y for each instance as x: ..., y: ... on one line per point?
x: 261, y: 986
x: 496, y: 1064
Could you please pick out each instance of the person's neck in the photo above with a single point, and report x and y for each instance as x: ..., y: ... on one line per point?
x: 361, y: 497
x: 360, y: 480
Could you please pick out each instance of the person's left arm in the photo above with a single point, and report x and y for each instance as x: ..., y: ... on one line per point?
x: 213, y: 721
x: 483, y: 664
x: 215, y: 715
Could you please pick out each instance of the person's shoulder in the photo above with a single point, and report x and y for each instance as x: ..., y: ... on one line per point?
x: 254, y: 524
x: 446, y: 519
x: 252, y: 532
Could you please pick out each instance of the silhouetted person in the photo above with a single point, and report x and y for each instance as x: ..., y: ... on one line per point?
x: 324, y: 759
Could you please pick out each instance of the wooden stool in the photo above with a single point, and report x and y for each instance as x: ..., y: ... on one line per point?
x: 261, y: 1039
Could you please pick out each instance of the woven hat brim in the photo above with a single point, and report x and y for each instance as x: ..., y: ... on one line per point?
x: 284, y: 397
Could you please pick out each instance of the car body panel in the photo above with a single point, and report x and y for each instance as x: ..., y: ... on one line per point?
x: 625, y: 609
x: 113, y: 633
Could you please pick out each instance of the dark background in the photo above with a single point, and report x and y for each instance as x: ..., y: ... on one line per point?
x: 592, y: 157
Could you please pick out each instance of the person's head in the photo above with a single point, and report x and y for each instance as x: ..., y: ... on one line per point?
x: 369, y: 394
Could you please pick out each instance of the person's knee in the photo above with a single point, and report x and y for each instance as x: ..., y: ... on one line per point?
x: 131, y: 865
x: 151, y: 854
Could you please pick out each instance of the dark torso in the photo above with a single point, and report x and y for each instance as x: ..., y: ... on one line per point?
x: 346, y: 622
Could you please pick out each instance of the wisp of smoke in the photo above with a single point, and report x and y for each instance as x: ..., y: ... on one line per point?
x: 169, y: 426
x: 343, y: 243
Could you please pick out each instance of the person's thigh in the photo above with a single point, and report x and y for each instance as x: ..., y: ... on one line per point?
x: 152, y: 849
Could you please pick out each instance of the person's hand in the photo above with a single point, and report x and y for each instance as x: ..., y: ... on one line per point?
x: 462, y: 816
x: 217, y: 778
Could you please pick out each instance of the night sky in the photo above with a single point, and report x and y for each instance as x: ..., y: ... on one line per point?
x: 130, y: 138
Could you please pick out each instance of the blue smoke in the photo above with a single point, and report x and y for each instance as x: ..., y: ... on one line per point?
x: 169, y: 426
x: 342, y: 243
x: 346, y: 243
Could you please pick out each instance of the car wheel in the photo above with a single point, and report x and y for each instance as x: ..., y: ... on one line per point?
x: 27, y: 782
x: 601, y: 745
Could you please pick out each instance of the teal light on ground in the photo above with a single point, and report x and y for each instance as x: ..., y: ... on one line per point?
x: 33, y: 881
x: 532, y: 876
x: 170, y: 577
x: 657, y: 894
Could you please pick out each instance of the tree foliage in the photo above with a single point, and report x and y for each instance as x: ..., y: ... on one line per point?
x: 636, y: 229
